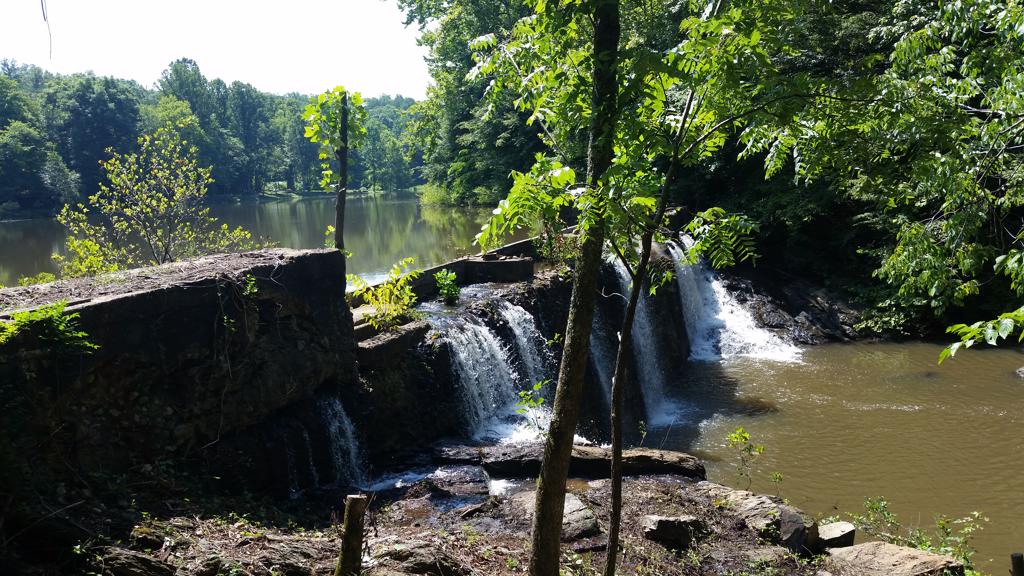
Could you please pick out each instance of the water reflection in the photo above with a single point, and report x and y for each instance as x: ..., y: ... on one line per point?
x: 378, y: 231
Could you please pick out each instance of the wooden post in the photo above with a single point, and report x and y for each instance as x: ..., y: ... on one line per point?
x: 1017, y: 564
x: 350, y: 559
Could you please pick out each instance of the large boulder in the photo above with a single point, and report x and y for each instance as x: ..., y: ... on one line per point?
x: 578, y: 521
x: 771, y: 518
x: 884, y: 559
x: 418, y: 557
x: 676, y: 532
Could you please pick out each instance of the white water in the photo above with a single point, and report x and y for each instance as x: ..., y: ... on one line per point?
x: 345, y: 455
x: 488, y: 384
x: 718, y: 326
x: 648, y: 355
x: 487, y: 381
x: 530, y: 344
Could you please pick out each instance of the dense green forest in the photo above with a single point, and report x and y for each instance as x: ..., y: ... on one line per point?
x: 55, y: 130
x: 871, y: 204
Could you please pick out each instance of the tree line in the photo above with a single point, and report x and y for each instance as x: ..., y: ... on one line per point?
x: 55, y: 130
x: 868, y: 227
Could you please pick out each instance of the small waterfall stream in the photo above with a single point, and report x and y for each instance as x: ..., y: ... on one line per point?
x: 647, y: 352
x: 530, y: 344
x: 487, y: 380
x: 304, y: 439
x: 718, y: 326
x: 345, y: 455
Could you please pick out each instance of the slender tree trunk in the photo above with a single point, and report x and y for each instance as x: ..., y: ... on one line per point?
x: 618, y: 381
x: 621, y: 359
x: 547, y: 516
x: 339, y: 208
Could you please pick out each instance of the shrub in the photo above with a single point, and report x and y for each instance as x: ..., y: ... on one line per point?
x: 447, y: 287
x: 393, y: 299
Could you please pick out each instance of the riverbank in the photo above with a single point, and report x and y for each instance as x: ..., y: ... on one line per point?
x: 460, y: 520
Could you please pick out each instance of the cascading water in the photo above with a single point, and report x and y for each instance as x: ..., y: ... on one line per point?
x: 530, y: 344
x: 718, y: 326
x: 488, y: 382
x: 601, y: 354
x: 345, y: 455
x: 651, y: 374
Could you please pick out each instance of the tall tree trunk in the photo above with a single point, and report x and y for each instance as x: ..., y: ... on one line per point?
x: 547, y: 514
x: 339, y: 207
x: 618, y: 380
x: 621, y: 359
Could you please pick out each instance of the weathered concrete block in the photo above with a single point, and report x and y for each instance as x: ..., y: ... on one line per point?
x: 503, y: 269
x: 836, y: 535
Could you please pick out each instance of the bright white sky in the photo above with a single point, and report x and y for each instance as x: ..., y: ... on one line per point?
x: 278, y: 46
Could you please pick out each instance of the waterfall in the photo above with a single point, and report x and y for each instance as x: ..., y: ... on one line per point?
x: 345, y: 455
x: 651, y: 373
x: 487, y: 381
x: 600, y: 355
x: 719, y: 327
x: 530, y: 344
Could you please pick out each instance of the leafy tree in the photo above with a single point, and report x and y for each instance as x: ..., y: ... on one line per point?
x: 85, y: 115
x: 336, y: 120
x: 32, y: 175
x: 469, y: 146
x: 14, y: 104
x: 934, y: 142
x: 149, y: 211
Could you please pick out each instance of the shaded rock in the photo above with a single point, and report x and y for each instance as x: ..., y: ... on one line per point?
x: 836, y: 535
x: 578, y: 521
x: 289, y: 558
x: 459, y: 481
x: 122, y: 562
x: 588, y: 461
x: 769, y: 517
x: 380, y: 350
x: 418, y: 557
x: 146, y: 538
x: 676, y: 532
x: 210, y: 566
x: 884, y: 559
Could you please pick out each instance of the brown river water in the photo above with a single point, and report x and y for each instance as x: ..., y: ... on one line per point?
x: 853, y: 421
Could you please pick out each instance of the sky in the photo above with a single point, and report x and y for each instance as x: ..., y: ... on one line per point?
x: 278, y: 46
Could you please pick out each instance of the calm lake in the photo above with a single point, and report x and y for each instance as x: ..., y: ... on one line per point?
x: 873, y: 419
x: 378, y: 231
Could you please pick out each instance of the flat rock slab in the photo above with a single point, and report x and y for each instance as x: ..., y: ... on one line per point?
x: 578, y: 521
x: 884, y: 559
x: 587, y: 461
x: 836, y: 535
x: 772, y: 519
x: 417, y: 557
x: 459, y: 481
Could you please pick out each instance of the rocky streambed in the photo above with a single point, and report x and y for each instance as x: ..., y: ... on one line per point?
x: 469, y: 513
